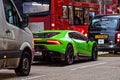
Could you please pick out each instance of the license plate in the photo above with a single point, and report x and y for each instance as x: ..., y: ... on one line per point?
x: 38, y: 53
x: 101, y: 36
x: 100, y: 41
x: 37, y: 38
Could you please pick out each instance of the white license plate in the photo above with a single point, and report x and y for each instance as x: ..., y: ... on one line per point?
x: 100, y: 41
x: 38, y: 53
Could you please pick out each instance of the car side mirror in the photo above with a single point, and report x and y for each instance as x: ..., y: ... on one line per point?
x: 87, y: 40
x: 24, y: 22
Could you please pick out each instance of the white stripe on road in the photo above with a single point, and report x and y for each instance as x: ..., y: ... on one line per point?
x: 29, y: 78
x: 92, y: 65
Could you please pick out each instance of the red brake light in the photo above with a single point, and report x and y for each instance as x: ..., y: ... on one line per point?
x: 118, y: 37
x: 53, y: 42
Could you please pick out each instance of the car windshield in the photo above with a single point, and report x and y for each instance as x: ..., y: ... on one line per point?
x: 45, y: 35
x: 104, y: 23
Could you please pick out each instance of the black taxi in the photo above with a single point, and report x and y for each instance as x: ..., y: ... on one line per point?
x: 105, y: 30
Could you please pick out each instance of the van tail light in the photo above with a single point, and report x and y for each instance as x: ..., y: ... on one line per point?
x: 33, y: 41
x: 33, y: 45
x: 53, y: 42
x: 118, y: 37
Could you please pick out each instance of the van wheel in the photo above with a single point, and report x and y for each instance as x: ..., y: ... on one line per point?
x: 24, y: 65
x: 69, y: 55
x: 94, y: 53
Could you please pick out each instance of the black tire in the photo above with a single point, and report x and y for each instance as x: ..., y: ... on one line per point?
x: 111, y: 52
x: 69, y: 55
x: 24, y: 65
x: 115, y: 52
x: 94, y: 53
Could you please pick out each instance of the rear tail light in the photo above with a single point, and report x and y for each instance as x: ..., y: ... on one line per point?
x: 53, y: 42
x: 118, y: 37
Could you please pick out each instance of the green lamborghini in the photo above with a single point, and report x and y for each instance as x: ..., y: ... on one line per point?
x: 66, y: 45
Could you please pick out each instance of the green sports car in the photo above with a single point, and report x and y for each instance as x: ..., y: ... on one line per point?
x: 66, y: 45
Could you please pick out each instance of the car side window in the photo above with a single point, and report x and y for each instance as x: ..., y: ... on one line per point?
x: 10, y: 13
x: 76, y: 35
x: 73, y: 35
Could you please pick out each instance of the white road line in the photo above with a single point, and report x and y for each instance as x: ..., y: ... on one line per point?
x: 81, y: 67
x: 29, y: 78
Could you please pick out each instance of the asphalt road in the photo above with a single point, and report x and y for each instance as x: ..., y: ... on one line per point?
x: 106, y: 68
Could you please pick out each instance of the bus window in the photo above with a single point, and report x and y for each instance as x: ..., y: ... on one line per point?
x: 36, y: 7
x: 92, y: 12
x: 78, y: 20
x: 91, y: 15
x: 86, y: 16
x: 71, y: 18
x: 65, y: 11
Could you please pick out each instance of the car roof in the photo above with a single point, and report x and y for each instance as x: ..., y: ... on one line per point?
x: 109, y: 16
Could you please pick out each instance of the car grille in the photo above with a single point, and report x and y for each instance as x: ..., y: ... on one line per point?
x: 39, y: 42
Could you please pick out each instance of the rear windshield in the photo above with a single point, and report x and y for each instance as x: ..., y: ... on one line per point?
x: 104, y: 23
x: 45, y: 35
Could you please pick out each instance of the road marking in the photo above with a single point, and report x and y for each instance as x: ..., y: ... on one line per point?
x: 81, y: 67
x: 29, y: 78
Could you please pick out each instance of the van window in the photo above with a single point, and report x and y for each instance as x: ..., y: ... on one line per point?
x: 10, y: 13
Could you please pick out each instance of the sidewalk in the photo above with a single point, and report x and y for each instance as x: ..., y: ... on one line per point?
x: 99, y: 53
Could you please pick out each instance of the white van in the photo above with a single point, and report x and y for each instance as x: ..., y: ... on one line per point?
x: 16, y: 40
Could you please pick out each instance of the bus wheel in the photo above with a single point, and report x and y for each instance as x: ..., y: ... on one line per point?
x: 24, y: 65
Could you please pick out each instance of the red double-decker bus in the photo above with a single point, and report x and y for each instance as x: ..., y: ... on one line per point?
x: 60, y: 14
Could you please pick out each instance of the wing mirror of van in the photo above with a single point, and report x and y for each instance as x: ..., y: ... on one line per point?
x: 24, y: 22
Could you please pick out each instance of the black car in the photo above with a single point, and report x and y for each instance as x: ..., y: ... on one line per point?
x: 105, y: 29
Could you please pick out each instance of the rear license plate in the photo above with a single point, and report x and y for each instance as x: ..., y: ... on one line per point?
x: 37, y: 39
x: 38, y: 53
x: 100, y: 41
x: 101, y: 36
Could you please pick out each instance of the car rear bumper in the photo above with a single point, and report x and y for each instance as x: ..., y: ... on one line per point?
x: 109, y: 48
x: 51, y: 54
x: 42, y: 52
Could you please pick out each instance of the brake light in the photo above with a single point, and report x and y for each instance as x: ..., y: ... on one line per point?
x: 118, y: 37
x: 53, y: 42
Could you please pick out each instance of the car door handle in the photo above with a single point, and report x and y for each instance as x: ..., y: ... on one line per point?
x: 8, y: 31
